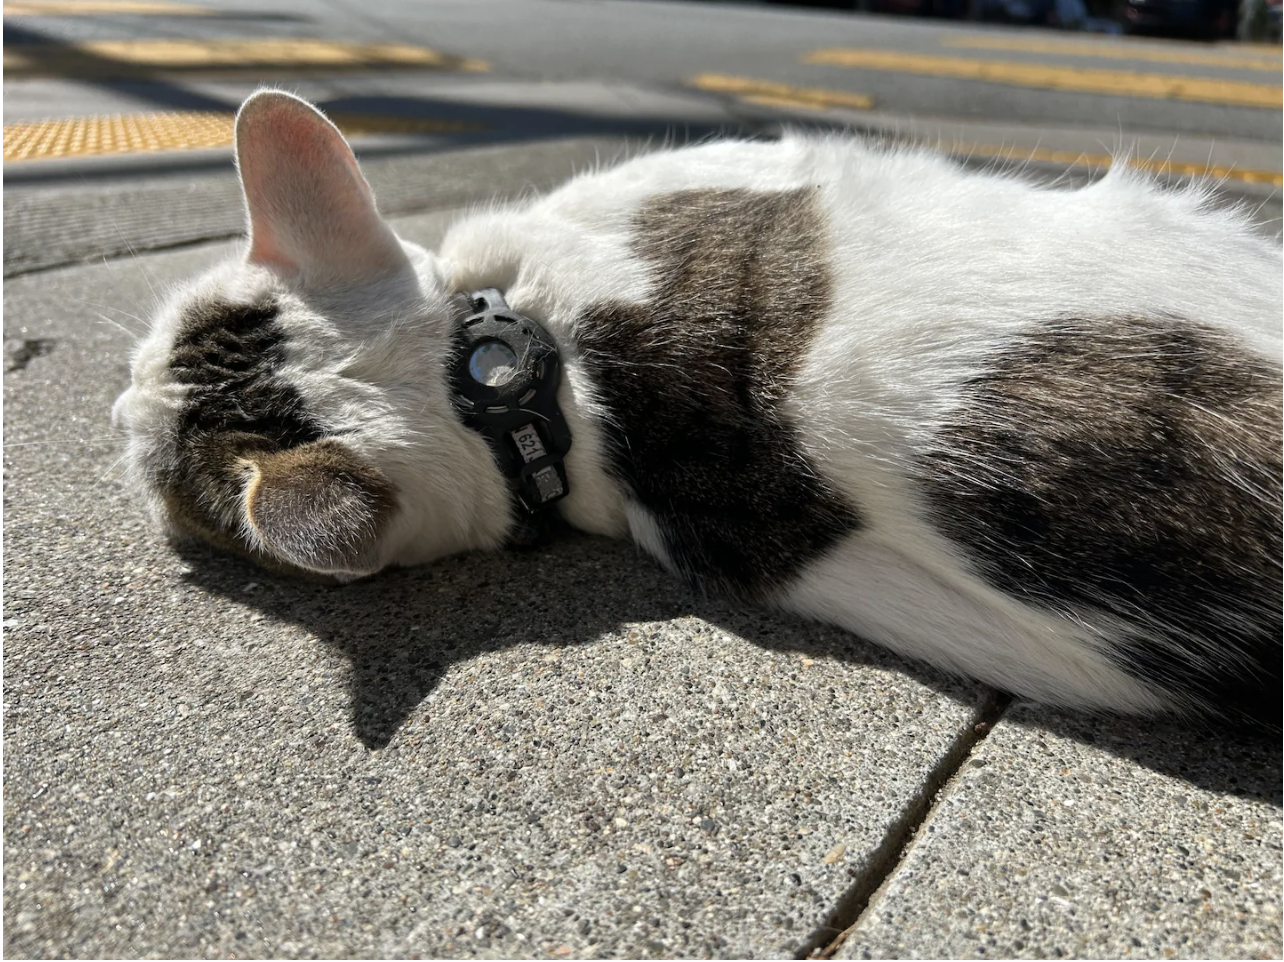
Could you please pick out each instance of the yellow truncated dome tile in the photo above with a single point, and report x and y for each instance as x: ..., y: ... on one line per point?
x: 193, y: 130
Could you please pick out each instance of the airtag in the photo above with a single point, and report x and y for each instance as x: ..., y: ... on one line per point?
x: 505, y: 374
x: 493, y: 363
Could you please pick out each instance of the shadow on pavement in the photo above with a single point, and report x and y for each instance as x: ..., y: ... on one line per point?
x: 82, y: 66
x: 161, y: 86
x: 1222, y: 759
x: 402, y: 629
x: 418, y: 125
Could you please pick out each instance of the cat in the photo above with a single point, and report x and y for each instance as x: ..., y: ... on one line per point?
x: 1026, y: 434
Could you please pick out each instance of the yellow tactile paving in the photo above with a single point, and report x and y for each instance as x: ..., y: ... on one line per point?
x: 1072, y: 158
x: 135, y: 56
x: 81, y: 8
x: 775, y: 94
x: 1106, y: 49
x: 148, y: 133
x: 1124, y: 83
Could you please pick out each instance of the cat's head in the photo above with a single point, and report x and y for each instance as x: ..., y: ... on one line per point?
x: 292, y: 405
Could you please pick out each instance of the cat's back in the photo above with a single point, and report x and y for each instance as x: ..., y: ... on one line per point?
x: 907, y: 233
x: 1027, y: 432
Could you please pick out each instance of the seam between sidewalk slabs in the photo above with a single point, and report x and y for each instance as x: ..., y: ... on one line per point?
x: 891, y: 853
x: 136, y: 247
x: 133, y: 252
x: 133, y: 248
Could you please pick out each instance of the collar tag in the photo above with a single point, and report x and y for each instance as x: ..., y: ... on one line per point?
x: 505, y: 378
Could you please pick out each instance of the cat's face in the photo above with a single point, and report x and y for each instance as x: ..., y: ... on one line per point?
x: 293, y: 405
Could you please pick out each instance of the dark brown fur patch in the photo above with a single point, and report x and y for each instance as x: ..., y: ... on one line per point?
x: 1132, y: 466
x: 694, y: 381
x: 230, y: 355
x: 320, y: 506
x: 237, y: 406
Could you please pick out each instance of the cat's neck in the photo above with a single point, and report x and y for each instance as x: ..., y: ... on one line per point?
x: 525, y: 258
x: 594, y: 501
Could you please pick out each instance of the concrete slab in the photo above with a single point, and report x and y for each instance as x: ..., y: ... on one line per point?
x: 387, y: 92
x: 556, y: 754
x: 1070, y: 837
x: 543, y: 754
x: 68, y: 224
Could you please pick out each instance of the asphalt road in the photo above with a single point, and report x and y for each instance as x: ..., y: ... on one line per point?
x: 900, y: 66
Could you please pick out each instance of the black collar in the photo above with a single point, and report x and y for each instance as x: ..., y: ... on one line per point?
x: 505, y: 375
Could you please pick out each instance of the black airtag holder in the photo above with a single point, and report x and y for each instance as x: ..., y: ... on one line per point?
x: 505, y: 378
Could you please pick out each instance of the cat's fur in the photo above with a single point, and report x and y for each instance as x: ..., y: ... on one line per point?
x: 1030, y: 435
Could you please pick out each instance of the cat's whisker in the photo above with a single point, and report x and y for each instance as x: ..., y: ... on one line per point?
x: 99, y: 307
x: 116, y: 324
x: 135, y: 259
x: 106, y: 439
x: 132, y: 316
x: 107, y: 474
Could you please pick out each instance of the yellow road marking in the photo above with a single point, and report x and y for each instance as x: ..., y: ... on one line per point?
x: 774, y: 94
x: 777, y: 94
x: 74, y: 8
x: 106, y: 56
x: 1162, y: 53
x: 147, y: 133
x: 1124, y: 83
x: 1072, y: 158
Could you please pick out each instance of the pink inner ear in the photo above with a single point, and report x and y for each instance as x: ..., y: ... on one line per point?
x: 311, y: 211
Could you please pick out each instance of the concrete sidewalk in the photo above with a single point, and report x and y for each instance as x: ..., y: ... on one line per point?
x: 553, y: 754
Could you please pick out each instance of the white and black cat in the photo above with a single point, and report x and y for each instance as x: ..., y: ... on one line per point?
x: 1030, y: 435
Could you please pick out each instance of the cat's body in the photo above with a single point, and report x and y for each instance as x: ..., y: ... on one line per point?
x: 1030, y: 435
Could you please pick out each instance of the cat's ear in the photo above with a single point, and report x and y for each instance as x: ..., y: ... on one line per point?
x: 312, y: 216
x: 319, y: 507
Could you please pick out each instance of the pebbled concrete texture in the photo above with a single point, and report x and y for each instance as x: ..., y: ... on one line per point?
x: 557, y: 753
x: 550, y: 753
x: 1071, y: 837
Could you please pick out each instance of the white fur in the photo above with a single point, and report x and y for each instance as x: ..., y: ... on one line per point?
x: 927, y: 606
x: 933, y: 268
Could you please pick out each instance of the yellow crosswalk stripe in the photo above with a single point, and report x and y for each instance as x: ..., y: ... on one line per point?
x: 1156, y: 53
x: 777, y: 94
x: 1123, y: 83
x: 176, y: 130
x: 79, y: 8
x: 773, y: 94
x: 105, y: 56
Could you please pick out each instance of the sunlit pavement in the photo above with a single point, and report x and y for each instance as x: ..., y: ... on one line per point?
x: 559, y: 754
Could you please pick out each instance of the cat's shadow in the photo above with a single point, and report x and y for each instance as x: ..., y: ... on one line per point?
x: 401, y: 630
